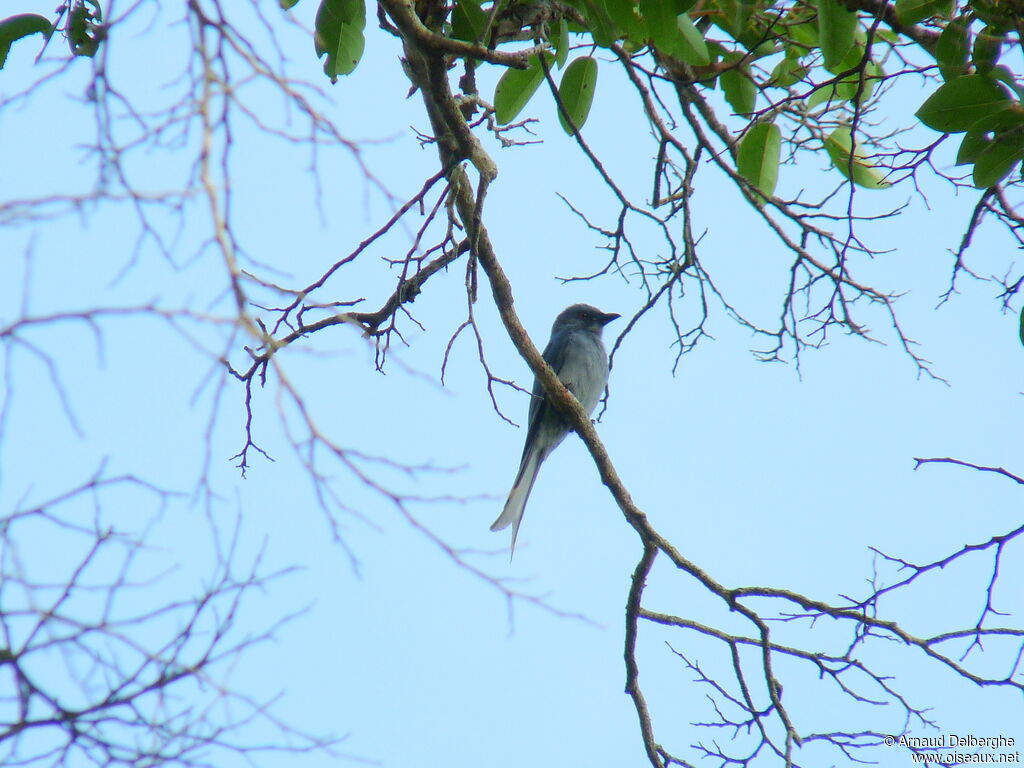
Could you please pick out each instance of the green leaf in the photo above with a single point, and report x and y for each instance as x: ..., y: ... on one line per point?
x: 733, y: 16
x: 515, y: 88
x: 717, y: 51
x: 632, y: 47
x: 997, y: 13
x: 972, y: 145
x: 756, y: 31
x: 960, y: 103
x: 576, y: 92
x: 739, y: 90
x: 1022, y: 326
x: 330, y: 15
x: 848, y: 88
x: 287, y: 5
x: 764, y: 49
x: 805, y: 34
x: 758, y: 156
x: 987, y: 46
x: 826, y: 93
x: 838, y: 145
x: 854, y: 56
x: 17, y: 27
x: 1002, y: 120
x: 351, y: 43
x: 660, y: 24
x: 625, y: 16
x: 599, y: 23
x: 1002, y: 72
x: 339, y: 33
x: 83, y: 31
x: 912, y: 11
x: 951, y: 50
x: 873, y: 75
x: 836, y: 28
x: 789, y: 71
x: 469, y: 21
x: 998, y: 159
x: 561, y: 43
x: 690, y: 46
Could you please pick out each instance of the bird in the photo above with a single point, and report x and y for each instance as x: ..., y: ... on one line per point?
x: 577, y: 355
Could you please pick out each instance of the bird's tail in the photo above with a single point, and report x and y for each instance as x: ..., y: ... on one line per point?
x: 512, y: 514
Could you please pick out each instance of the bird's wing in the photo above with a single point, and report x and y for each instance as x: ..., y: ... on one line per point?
x: 555, y: 354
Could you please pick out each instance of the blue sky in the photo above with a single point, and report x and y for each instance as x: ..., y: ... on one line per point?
x: 761, y: 475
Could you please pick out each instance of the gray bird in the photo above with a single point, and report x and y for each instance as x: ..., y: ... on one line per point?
x: 578, y: 357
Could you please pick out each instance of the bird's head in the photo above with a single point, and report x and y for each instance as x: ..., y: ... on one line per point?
x: 583, y: 317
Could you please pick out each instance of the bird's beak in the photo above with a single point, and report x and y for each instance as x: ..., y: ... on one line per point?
x: 609, y: 317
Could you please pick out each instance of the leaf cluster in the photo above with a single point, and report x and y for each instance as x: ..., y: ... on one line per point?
x: 980, y: 97
x: 81, y: 21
